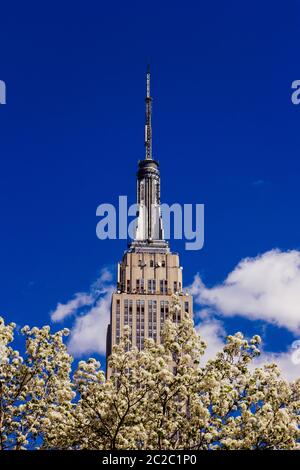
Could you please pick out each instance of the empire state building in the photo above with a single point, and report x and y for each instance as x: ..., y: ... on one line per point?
x: 149, y: 272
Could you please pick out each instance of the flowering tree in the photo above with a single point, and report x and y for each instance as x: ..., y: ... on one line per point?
x: 33, y: 387
x: 157, y: 398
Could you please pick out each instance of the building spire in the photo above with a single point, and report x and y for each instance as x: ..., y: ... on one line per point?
x: 149, y: 233
x: 148, y: 128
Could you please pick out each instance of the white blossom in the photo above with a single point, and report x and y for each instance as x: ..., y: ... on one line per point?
x: 158, y: 398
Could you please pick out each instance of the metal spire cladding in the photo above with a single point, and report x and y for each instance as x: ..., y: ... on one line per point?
x: 148, y: 128
x: 149, y: 229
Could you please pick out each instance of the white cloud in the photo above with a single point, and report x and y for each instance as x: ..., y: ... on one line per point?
x: 212, y: 331
x: 88, y: 333
x: 263, y: 288
x: 63, y: 311
x: 289, y: 370
x: 266, y: 287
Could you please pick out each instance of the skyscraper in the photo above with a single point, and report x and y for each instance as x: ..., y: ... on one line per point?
x: 149, y: 272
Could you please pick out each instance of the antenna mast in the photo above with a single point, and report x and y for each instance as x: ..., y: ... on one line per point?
x: 148, y: 128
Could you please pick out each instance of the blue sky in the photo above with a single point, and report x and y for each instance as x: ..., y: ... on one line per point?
x: 71, y: 134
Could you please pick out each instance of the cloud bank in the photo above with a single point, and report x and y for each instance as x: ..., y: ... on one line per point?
x: 64, y: 311
x: 213, y: 332
x: 92, y: 313
x: 263, y: 288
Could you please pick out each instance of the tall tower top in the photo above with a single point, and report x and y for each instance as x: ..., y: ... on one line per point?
x: 148, y: 127
x: 149, y: 234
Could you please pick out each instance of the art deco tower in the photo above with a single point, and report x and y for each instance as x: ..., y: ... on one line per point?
x: 149, y: 272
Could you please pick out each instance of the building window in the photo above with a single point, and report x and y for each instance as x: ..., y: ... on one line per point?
x: 175, y: 286
x: 142, y: 192
x: 126, y: 313
x: 163, y: 264
x: 151, y: 263
x: 164, y: 311
x: 140, y: 285
x: 128, y: 285
x: 176, y: 317
x: 151, y: 286
x: 128, y: 316
x: 152, y: 319
x: 157, y: 192
x: 118, y: 322
x: 140, y: 324
x: 163, y: 286
x: 186, y: 307
x: 122, y: 280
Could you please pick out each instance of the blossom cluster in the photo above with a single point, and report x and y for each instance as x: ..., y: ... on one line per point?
x: 161, y: 397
